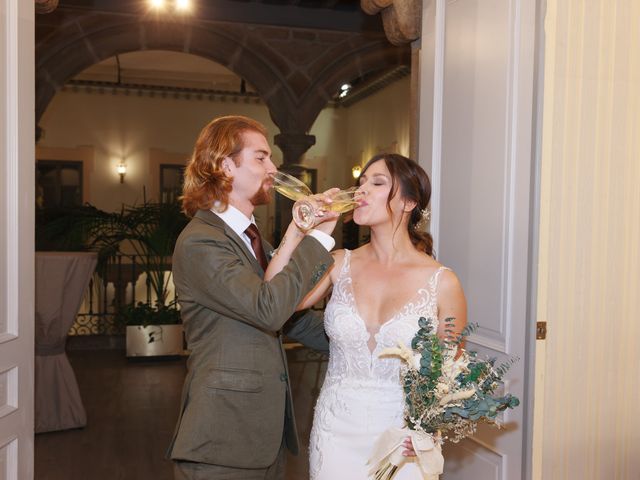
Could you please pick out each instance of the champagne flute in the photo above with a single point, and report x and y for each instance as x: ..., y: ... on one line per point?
x: 290, y: 186
x: 307, y: 209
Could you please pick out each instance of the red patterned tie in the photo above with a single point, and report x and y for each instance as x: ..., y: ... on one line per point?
x: 256, y: 243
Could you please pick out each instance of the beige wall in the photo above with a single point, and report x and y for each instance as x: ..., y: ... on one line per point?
x: 141, y: 131
x: 125, y: 128
x: 379, y: 123
x: 588, y: 386
x: 350, y: 136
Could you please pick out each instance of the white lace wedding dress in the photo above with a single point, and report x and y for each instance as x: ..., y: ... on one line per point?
x: 362, y: 395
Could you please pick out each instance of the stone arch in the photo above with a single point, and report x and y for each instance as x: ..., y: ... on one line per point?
x: 295, y: 71
x: 58, y: 60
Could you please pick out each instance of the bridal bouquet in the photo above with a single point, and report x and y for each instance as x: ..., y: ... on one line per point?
x: 448, y: 390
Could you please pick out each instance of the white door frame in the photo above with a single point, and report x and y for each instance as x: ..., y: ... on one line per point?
x: 17, y: 207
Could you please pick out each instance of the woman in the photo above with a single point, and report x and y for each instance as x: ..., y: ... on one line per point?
x: 380, y: 290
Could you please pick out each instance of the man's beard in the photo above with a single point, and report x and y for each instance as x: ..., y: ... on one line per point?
x: 262, y: 196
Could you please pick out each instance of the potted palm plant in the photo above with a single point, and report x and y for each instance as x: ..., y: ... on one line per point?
x: 152, y: 330
x: 148, y: 231
x: 151, y: 230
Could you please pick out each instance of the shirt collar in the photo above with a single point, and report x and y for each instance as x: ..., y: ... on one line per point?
x: 235, y: 219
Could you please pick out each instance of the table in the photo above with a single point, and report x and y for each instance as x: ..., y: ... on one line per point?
x: 61, y: 279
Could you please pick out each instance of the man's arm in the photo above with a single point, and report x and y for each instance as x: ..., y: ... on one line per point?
x: 307, y: 327
x: 212, y: 274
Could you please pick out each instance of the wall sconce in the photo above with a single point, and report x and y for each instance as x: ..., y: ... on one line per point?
x: 356, y: 171
x: 122, y: 170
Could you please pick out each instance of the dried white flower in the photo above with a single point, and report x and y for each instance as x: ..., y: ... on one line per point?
x: 457, y: 396
x: 402, y: 351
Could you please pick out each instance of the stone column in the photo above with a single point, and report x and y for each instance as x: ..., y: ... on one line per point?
x: 293, y: 146
x: 45, y: 6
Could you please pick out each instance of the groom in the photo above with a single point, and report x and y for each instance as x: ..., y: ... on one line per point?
x: 236, y: 414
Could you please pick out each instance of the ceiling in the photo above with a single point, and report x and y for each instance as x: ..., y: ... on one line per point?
x: 343, y: 15
x: 180, y: 70
x: 185, y: 72
x: 165, y: 69
x: 309, y: 49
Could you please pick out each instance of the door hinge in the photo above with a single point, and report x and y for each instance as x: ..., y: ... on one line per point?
x: 541, y: 330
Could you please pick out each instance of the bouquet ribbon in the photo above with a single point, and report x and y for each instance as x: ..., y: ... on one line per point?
x: 388, y: 449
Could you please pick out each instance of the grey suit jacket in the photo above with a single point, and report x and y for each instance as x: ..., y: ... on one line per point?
x: 236, y: 403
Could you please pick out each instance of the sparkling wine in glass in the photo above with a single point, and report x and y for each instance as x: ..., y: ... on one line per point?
x: 290, y: 186
x: 308, y: 210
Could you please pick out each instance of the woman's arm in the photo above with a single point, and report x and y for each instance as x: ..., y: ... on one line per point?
x: 451, y: 304
x: 291, y: 239
x: 281, y: 256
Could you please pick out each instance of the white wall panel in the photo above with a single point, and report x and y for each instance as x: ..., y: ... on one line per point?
x: 476, y: 153
x: 487, y: 464
x: 3, y: 164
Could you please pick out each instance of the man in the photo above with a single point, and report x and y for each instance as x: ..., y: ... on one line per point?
x: 236, y: 413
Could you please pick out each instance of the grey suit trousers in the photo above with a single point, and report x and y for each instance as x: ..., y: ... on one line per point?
x: 204, y: 471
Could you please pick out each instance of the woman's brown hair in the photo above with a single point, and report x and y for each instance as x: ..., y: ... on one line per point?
x: 204, y: 179
x: 415, y: 186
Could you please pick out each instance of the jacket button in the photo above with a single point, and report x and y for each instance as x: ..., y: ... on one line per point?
x: 283, y: 377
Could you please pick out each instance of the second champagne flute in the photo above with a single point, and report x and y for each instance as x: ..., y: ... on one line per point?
x: 308, y: 209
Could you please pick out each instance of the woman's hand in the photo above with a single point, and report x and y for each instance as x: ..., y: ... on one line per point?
x: 294, y: 235
x: 408, y: 448
x: 327, y: 221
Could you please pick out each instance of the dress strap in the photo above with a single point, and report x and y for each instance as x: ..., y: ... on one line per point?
x: 346, y: 265
x: 435, y: 278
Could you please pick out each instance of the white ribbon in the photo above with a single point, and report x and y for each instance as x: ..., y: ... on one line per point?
x: 388, y: 449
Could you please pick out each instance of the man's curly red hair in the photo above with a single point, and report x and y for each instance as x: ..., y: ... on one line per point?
x: 204, y: 180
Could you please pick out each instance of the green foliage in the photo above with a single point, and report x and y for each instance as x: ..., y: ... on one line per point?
x: 145, y: 315
x: 150, y: 230
x: 74, y: 229
x: 423, y: 385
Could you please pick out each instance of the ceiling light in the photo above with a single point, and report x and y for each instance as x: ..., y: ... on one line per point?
x: 183, y: 5
x: 345, y: 87
x: 158, y: 4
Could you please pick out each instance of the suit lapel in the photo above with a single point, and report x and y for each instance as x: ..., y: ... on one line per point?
x: 214, y: 220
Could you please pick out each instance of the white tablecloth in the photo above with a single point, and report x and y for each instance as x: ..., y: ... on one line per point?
x: 61, y: 279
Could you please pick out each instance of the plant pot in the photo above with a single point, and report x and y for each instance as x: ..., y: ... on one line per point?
x: 154, y: 340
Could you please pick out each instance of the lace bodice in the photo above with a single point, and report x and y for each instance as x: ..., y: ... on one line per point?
x: 350, y: 356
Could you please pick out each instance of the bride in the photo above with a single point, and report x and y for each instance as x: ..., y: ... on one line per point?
x: 380, y: 290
